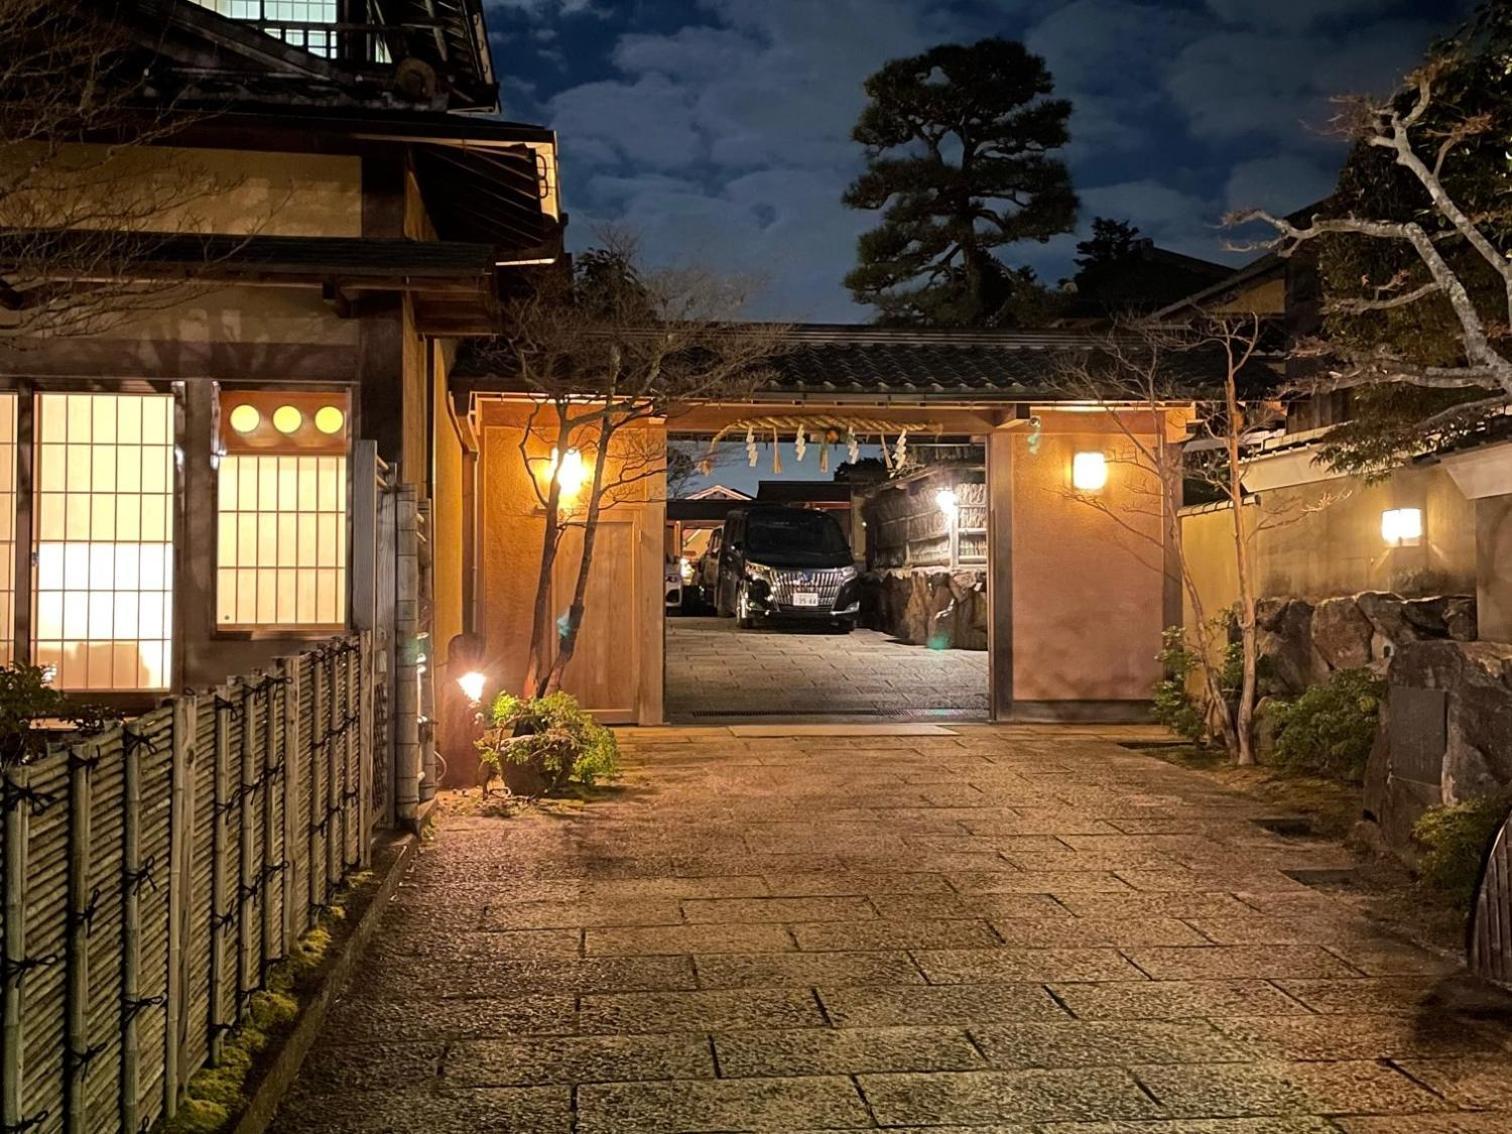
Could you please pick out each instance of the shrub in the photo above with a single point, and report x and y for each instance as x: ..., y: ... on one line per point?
x: 550, y: 738
x: 1454, y: 840
x: 1175, y: 707
x: 26, y: 698
x: 1329, y: 730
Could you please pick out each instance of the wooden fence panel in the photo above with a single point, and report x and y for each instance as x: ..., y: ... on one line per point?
x: 46, y: 936
x: 151, y: 874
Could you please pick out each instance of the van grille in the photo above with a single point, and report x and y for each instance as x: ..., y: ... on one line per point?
x: 827, y: 581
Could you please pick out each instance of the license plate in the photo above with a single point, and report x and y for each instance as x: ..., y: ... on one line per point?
x: 805, y: 598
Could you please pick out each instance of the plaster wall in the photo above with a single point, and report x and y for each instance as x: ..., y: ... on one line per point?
x: 176, y: 189
x: 1324, y: 539
x: 1088, y: 583
x: 617, y: 671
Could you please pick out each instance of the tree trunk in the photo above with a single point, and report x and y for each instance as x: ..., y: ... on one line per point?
x: 1244, y: 712
x: 568, y: 645
x: 541, y: 623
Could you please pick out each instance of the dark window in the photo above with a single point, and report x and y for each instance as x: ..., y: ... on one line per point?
x: 796, y: 533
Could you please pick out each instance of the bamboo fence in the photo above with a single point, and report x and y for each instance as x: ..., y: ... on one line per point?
x: 154, y: 873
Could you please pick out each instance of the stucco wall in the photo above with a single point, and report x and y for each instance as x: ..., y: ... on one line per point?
x: 1088, y: 583
x: 174, y: 189
x: 447, y: 519
x: 617, y: 672
x: 1324, y: 539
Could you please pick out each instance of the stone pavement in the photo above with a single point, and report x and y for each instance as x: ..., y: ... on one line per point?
x: 1000, y: 931
x: 714, y: 668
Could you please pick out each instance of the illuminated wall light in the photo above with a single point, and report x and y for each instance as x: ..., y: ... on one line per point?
x: 329, y: 420
x: 574, y: 472
x: 287, y: 419
x: 472, y: 684
x: 245, y: 418
x: 1402, y: 527
x: 947, y: 502
x: 1089, y: 471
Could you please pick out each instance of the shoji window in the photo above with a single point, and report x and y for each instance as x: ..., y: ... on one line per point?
x: 282, y: 538
x: 7, y: 525
x: 102, y: 586
x: 274, y: 13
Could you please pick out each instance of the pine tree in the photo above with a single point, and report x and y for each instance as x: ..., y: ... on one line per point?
x: 959, y: 144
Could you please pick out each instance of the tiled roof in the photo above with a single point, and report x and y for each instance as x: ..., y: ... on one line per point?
x: 871, y: 360
x: 839, y: 360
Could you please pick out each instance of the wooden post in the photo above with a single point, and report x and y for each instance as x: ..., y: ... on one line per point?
x: 131, y: 935
x: 17, y: 821
x: 246, y: 982
x: 365, y: 751
x: 272, y: 931
x: 351, y: 771
x: 288, y: 671
x: 314, y: 800
x: 76, y: 1028
x: 335, y: 855
x: 220, y: 838
x: 180, y: 871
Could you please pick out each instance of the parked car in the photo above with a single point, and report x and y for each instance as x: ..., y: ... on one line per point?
x: 707, y: 580
x: 789, y: 565
x: 673, y: 584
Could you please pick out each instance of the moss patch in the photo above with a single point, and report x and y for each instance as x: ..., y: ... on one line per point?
x: 215, y: 1096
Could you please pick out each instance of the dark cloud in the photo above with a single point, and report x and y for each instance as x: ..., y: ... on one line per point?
x: 720, y: 128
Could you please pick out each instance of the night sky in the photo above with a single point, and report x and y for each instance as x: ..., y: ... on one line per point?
x: 719, y: 130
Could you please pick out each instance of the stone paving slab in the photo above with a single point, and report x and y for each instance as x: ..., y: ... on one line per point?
x: 1025, y: 930
x: 715, y: 668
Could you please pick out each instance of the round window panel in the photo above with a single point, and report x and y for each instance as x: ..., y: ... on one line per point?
x: 287, y: 419
x: 329, y: 420
x: 245, y: 418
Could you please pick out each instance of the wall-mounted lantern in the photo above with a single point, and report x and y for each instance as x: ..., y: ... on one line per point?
x: 472, y: 684
x: 1089, y: 471
x: 574, y: 472
x: 1402, y: 527
x: 948, y: 503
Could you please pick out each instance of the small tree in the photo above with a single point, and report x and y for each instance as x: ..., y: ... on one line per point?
x: 602, y: 355
x: 1216, y: 368
x: 87, y: 196
x: 959, y: 144
x: 1413, y: 253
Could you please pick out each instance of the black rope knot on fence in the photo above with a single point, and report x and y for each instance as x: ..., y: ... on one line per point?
x: 136, y: 879
x: 134, y: 1008
x: 13, y: 794
x: 83, y: 918
x: 84, y: 763
x: 131, y: 741
x: 13, y: 972
x: 77, y: 1062
x: 26, y: 1123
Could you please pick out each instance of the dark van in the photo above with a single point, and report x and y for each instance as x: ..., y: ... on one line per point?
x: 789, y: 565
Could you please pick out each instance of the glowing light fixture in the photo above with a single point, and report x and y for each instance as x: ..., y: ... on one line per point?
x: 471, y: 684
x: 949, y: 504
x: 287, y: 419
x: 1089, y: 471
x: 245, y: 418
x: 329, y: 420
x: 574, y: 471
x: 1402, y: 527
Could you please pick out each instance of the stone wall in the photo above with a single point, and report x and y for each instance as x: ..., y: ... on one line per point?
x: 942, y: 609
x: 1446, y: 732
x: 1302, y: 642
